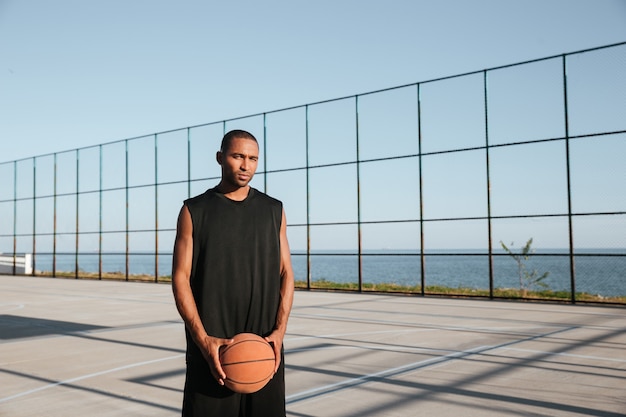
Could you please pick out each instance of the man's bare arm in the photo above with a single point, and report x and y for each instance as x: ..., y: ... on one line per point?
x: 286, y: 293
x: 185, y: 302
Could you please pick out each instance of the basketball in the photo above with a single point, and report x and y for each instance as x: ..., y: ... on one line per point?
x: 248, y: 363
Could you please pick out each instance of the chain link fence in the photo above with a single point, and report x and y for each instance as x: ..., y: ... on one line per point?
x: 501, y: 183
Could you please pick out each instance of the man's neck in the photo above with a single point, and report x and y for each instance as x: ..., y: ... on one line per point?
x: 233, y: 193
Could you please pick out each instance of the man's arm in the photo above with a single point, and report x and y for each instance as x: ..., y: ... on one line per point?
x: 185, y: 302
x: 286, y: 294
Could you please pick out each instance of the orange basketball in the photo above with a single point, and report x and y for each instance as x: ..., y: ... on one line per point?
x: 248, y: 363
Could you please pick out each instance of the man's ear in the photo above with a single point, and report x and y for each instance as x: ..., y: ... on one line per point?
x: 218, y: 157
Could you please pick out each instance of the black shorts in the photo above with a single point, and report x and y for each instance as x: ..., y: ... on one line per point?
x: 203, y: 396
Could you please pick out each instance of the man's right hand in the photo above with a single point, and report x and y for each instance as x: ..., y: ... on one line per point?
x: 210, y: 348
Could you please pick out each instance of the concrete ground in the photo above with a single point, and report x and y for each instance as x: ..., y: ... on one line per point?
x: 100, y: 348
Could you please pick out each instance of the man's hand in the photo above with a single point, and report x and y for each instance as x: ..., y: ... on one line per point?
x: 210, y: 348
x: 276, y: 340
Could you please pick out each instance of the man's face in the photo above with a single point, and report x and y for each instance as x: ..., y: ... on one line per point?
x: 239, y: 162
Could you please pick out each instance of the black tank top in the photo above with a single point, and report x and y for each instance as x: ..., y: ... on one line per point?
x: 235, y: 274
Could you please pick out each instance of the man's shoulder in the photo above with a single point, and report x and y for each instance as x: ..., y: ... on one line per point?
x: 266, y: 198
x: 200, y: 198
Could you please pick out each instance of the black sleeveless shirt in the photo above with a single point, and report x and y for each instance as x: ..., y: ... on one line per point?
x: 235, y: 274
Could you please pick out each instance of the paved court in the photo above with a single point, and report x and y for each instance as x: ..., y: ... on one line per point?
x: 88, y: 348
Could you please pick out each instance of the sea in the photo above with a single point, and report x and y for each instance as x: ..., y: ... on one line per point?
x: 598, y: 271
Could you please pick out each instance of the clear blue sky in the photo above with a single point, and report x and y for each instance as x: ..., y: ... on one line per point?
x: 76, y: 73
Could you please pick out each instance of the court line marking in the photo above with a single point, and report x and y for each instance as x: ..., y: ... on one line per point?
x: 83, y: 377
x: 519, y: 329
x: 407, y: 349
x: 598, y: 358
x: 326, y: 389
x: 348, y: 383
x: 14, y: 306
x: 336, y: 335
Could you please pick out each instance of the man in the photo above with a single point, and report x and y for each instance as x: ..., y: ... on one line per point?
x: 231, y: 274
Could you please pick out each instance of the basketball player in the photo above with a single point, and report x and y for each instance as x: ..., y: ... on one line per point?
x: 231, y: 274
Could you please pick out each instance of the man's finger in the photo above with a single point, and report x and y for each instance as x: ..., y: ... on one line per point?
x: 276, y: 356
